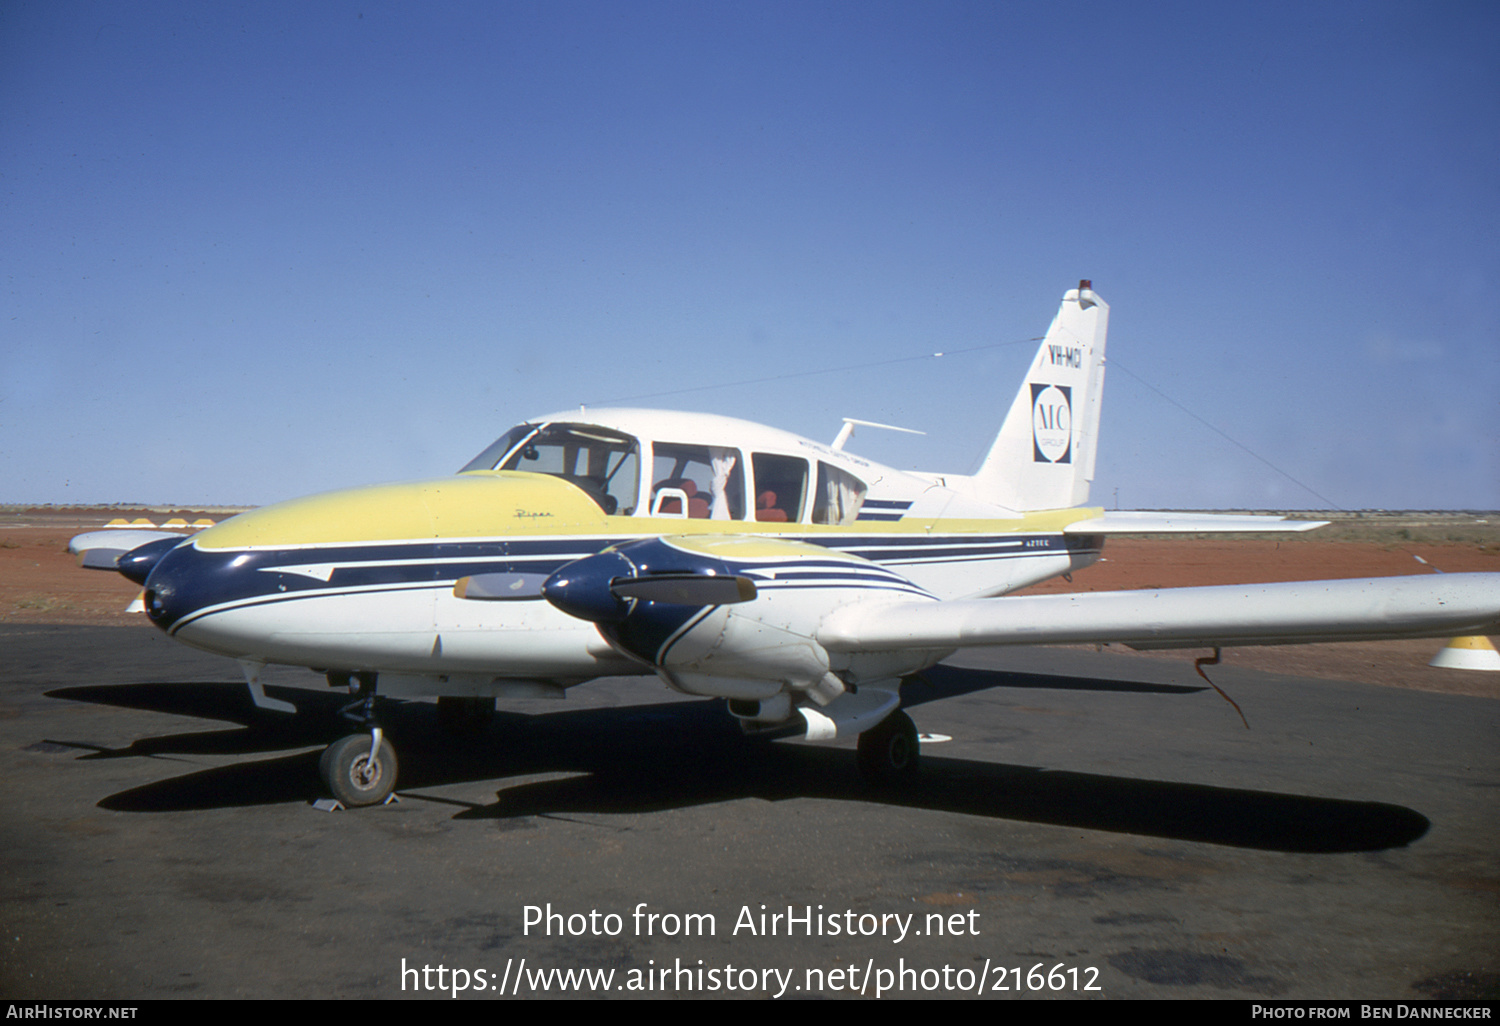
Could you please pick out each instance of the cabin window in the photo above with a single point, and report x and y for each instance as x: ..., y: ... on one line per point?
x: 838, y: 497
x: 710, y: 479
x: 603, y: 463
x: 780, y: 485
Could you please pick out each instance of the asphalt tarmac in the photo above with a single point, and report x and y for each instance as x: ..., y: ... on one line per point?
x: 1097, y: 826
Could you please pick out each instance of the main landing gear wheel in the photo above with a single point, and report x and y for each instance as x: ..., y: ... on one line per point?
x: 889, y: 751
x: 354, y: 778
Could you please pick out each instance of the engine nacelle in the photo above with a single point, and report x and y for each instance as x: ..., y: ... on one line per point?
x: 733, y: 616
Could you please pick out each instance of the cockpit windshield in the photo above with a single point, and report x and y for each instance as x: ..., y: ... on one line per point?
x: 605, y: 464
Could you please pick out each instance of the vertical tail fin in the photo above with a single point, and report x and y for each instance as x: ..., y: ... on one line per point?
x: 1043, y: 457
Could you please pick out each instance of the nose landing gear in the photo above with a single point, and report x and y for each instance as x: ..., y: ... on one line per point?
x: 360, y: 769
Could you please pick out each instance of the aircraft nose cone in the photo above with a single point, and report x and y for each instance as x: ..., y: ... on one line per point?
x: 138, y: 563
x: 181, y: 580
x: 582, y: 588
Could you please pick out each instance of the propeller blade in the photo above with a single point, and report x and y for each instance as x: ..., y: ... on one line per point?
x: 685, y: 589
x: 101, y: 559
x: 500, y: 587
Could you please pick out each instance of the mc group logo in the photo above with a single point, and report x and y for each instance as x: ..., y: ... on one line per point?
x: 1051, y: 423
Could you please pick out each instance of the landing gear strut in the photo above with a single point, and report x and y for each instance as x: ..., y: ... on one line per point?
x: 360, y: 769
x: 889, y: 751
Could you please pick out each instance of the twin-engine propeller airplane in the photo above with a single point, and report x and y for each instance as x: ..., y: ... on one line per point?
x: 797, y: 581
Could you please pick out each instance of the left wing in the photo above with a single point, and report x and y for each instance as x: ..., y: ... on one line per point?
x: 101, y: 550
x: 1366, y: 609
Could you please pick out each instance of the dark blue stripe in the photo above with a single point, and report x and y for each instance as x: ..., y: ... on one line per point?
x: 207, y: 611
x: 205, y: 578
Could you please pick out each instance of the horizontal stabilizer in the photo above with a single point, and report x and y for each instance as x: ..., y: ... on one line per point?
x: 1119, y: 522
x: 1367, y: 609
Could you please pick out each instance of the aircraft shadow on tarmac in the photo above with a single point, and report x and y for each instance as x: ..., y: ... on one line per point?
x: 645, y: 758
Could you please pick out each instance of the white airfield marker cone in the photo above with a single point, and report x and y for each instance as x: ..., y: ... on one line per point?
x: 1471, y: 653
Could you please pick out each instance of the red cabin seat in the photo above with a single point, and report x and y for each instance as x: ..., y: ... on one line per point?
x: 698, y: 508
x: 767, y: 510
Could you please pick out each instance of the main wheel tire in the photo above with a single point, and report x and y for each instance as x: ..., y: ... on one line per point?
x: 890, y: 751
x: 353, y: 777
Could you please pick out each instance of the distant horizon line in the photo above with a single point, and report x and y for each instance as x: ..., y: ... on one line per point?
x: 1325, y: 514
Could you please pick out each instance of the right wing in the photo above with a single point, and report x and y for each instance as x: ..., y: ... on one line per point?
x: 1368, y: 609
x: 1141, y: 522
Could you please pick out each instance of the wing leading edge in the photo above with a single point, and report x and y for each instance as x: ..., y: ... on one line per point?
x: 1132, y: 522
x: 1367, y: 609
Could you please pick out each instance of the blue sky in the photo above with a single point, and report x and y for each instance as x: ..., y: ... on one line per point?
x: 256, y: 250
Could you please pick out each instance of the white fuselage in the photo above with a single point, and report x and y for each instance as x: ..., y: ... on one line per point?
x: 364, y: 580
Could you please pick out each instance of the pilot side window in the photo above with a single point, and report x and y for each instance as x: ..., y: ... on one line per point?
x: 709, y: 478
x: 780, y: 484
x: 601, y: 462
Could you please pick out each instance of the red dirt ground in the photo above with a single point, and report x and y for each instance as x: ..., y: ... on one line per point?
x: 40, y: 583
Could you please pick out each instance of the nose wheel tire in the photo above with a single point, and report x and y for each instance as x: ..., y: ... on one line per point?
x: 889, y: 751
x: 354, y: 778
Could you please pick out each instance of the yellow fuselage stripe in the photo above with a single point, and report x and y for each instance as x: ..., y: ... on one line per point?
x: 499, y: 504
